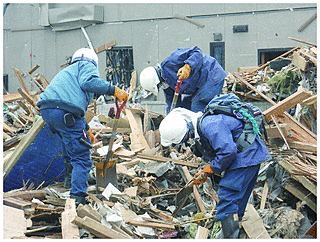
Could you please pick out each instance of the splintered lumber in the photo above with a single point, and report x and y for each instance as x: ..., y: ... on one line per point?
x: 202, y: 233
x: 165, y: 159
x: 16, y: 203
x: 309, y: 101
x: 133, y: 84
x: 195, y: 189
x: 309, y: 21
x: 98, y: 229
x: 253, y: 224
x: 178, y: 16
x: 264, y: 195
x: 87, y: 211
x: 26, y: 195
x: 299, y: 61
x: 273, y: 131
x: 18, y: 74
x: 23, y: 145
x: 28, y: 98
x: 106, y: 46
x: 312, y: 148
x: 69, y: 230
x: 151, y: 224
x: 287, y: 103
x: 301, y: 193
x: 303, y: 132
x: 303, y: 41
x: 16, y: 96
x: 36, y: 82
x: 310, y: 186
x: 34, y: 69
x: 137, y: 138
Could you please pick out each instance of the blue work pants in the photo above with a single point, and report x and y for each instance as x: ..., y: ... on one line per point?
x: 75, y: 152
x: 234, y: 191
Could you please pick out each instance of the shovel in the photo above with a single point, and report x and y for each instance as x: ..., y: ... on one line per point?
x: 182, y: 196
x: 106, y: 171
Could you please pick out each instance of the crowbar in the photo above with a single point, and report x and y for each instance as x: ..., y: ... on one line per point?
x: 176, y: 94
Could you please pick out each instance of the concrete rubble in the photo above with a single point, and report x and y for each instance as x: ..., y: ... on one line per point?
x: 282, y: 206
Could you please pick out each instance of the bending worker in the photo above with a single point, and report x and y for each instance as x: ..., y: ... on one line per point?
x: 202, y: 75
x: 63, y: 105
x: 217, y: 135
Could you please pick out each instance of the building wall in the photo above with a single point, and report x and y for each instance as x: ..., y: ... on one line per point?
x: 152, y: 32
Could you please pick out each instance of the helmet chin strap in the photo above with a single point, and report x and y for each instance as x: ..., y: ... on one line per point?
x: 158, y: 71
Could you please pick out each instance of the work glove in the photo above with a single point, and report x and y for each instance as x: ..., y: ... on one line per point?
x: 184, y: 72
x: 91, y: 136
x: 202, y: 175
x: 120, y: 94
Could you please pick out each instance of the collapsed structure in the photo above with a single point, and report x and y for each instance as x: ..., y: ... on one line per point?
x: 282, y: 205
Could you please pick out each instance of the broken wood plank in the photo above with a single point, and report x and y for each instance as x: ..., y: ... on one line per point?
x: 16, y: 203
x: 301, y: 179
x: 309, y: 101
x: 182, y: 17
x: 69, y: 230
x: 264, y: 195
x: 137, y: 138
x: 280, y: 131
x: 202, y: 233
x: 301, y: 193
x: 151, y: 224
x: 299, y: 61
x: 273, y: 131
x: 34, y: 69
x: 28, y: 98
x: 87, y: 211
x: 106, y: 46
x: 195, y: 190
x: 287, y: 103
x: 312, y: 148
x: 26, y: 195
x: 23, y: 145
x: 298, y: 127
x: 309, y: 21
x: 98, y: 229
x: 18, y: 74
x: 253, y: 225
x: 16, y: 96
x: 36, y: 82
x: 165, y: 159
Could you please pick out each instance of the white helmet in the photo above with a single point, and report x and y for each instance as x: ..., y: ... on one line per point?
x: 173, y: 129
x: 86, y: 55
x: 149, y: 80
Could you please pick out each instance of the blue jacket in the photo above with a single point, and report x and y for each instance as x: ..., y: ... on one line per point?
x: 222, y: 131
x: 204, y: 82
x: 73, y: 88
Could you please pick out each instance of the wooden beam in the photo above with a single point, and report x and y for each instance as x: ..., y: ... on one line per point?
x: 165, y: 159
x: 106, y: 46
x: 34, y: 69
x: 28, y: 98
x: 18, y: 74
x: 195, y: 190
x: 87, y: 211
x: 36, y: 82
x: 151, y: 224
x: 178, y: 16
x: 312, y: 148
x: 280, y: 131
x: 273, y: 131
x: 69, y: 230
x: 302, y: 41
x: 309, y: 101
x: 137, y: 138
x: 16, y: 96
x: 253, y: 224
x: 287, y: 103
x: 98, y: 229
x: 264, y: 195
x: 312, y: 187
x: 23, y: 145
x: 16, y: 203
x: 301, y: 129
x: 301, y: 193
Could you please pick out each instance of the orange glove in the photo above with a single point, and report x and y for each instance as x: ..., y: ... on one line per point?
x: 184, y: 72
x: 202, y: 175
x: 91, y: 136
x: 120, y: 94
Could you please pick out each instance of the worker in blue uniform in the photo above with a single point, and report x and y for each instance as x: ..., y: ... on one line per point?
x: 202, y: 75
x: 220, y: 133
x: 63, y: 105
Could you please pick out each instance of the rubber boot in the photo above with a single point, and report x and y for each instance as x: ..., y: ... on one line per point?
x: 67, y: 177
x: 79, y: 199
x: 230, y: 228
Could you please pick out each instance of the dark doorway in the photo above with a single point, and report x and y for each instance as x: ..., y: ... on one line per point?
x: 119, y: 66
x: 265, y: 55
x: 217, y: 50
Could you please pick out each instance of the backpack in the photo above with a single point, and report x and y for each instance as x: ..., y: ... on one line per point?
x: 229, y: 104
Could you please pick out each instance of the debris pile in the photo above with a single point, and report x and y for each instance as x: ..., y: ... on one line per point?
x: 282, y: 205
